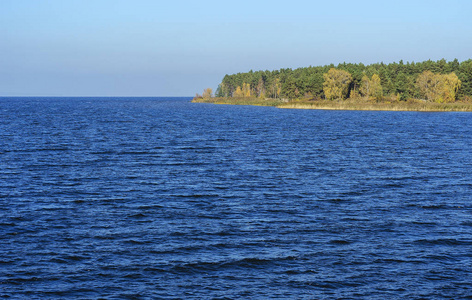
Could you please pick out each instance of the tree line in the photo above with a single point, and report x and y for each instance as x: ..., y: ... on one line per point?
x: 438, y: 81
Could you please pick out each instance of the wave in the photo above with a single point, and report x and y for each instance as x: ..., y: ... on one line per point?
x: 444, y: 242
x: 247, y: 262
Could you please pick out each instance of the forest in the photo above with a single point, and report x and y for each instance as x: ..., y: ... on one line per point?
x: 433, y: 81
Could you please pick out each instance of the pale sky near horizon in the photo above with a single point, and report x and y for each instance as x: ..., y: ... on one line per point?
x: 179, y: 47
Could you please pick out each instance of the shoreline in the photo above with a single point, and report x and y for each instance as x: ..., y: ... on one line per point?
x: 349, y: 104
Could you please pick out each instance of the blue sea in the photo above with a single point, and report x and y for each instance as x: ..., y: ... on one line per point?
x: 160, y: 198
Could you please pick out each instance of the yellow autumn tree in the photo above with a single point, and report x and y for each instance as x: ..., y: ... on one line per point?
x: 437, y: 87
x: 207, y: 93
x: 371, y: 87
x: 428, y: 84
x: 261, y: 89
x: 246, y: 90
x: 276, y: 88
x: 377, y: 90
x: 238, y: 93
x: 365, y: 86
x: 336, y: 84
x: 451, y: 87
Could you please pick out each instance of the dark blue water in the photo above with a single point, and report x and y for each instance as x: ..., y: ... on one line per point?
x: 159, y: 198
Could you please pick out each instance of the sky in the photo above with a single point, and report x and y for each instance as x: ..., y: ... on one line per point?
x: 179, y: 47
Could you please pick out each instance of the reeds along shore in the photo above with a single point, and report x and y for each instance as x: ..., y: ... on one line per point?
x: 349, y: 104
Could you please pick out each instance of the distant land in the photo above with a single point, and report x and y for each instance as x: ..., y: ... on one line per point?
x: 424, y: 86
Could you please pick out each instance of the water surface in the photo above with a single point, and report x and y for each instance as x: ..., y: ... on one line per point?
x: 159, y: 198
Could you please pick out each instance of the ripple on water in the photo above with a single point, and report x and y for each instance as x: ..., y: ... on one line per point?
x: 160, y: 198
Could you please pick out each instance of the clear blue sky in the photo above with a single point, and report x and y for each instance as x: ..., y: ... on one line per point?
x: 180, y: 47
